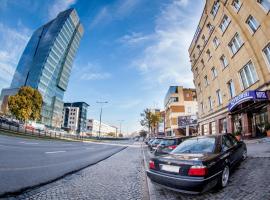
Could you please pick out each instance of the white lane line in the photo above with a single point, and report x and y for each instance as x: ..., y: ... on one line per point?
x: 28, y: 142
x: 51, y: 152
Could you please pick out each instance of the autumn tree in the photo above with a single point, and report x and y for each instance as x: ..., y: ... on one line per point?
x: 146, y: 119
x: 26, y: 104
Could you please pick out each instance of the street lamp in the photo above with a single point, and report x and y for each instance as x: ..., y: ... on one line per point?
x: 120, y: 125
x: 100, y: 116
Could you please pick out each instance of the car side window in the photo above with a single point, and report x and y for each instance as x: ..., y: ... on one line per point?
x: 233, y: 140
x: 226, y: 143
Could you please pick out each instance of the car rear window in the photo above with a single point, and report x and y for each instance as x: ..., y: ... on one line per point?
x: 167, y: 142
x: 196, y: 145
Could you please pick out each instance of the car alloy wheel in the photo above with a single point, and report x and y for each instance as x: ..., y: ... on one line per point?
x: 225, y: 176
x: 244, y: 156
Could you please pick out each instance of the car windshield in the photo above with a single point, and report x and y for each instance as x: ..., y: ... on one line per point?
x: 196, y: 145
x: 156, y: 141
x: 167, y: 142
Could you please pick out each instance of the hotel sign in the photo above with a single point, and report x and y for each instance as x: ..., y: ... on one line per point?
x: 247, y: 96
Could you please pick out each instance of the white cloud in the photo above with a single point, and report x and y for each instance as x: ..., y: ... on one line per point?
x: 58, y: 6
x: 130, y: 104
x: 166, y: 59
x: 95, y: 76
x: 13, y: 42
x: 136, y: 39
x: 118, y: 10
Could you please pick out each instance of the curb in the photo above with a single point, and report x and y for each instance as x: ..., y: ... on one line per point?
x: 22, y: 190
x: 152, y: 195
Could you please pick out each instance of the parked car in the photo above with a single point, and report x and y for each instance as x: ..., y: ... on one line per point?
x: 154, y: 144
x: 198, y: 164
x: 168, y: 144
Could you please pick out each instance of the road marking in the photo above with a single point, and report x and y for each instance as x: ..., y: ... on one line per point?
x: 51, y: 152
x: 28, y: 142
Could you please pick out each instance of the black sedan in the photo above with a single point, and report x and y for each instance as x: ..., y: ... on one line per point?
x: 168, y: 144
x: 198, y: 164
x: 154, y: 144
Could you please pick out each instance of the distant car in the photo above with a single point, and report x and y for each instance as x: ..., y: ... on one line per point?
x: 154, y: 144
x: 168, y: 144
x: 198, y: 164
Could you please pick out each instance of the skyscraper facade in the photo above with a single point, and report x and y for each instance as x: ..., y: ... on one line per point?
x: 47, y: 61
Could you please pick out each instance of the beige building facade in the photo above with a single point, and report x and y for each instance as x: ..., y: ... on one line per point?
x: 180, y: 103
x: 230, y: 58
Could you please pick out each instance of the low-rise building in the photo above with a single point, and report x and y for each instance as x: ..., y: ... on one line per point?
x: 180, y: 104
x: 75, y: 117
x: 230, y: 58
x: 105, y: 129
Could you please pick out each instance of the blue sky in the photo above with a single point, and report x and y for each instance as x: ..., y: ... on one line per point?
x: 131, y: 51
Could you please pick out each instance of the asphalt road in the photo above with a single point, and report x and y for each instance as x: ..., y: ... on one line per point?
x: 26, y: 163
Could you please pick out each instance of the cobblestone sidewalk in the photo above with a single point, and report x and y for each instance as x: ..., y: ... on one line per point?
x: 120, y: 177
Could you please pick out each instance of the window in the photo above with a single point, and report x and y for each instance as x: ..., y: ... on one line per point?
x: 201, y: 106
x: 189, y: 109
x: 248, y: 75
x: 267, y: 53
x: 252, y: 23
x: 219, y: 96
x: 265, y: 4
x: 196, y: 71
x: 226, y: 143
x: 224, y: 23
x: 236, y: 4
x: 215, y: 9
x: 224, y: 61
x: 214, y: 72
x: 199, y: 86
x: 208, y: 54
x: 210, y: 27
x: 203, y: 38
x: 202, y: 62
x: 216, y: 42
x: 206, y: 83
x: 231, y: 88
x: 210, y: 103
x: 235, y: 43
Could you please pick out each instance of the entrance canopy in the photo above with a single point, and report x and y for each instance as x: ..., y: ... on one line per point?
x: 251, y: 96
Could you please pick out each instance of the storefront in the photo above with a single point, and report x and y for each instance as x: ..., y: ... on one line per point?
x: 249, y: 113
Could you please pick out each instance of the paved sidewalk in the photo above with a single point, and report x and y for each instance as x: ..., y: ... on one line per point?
x: 120, y: 177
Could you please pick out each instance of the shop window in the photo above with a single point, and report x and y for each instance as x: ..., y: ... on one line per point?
x: 235, y: 43
x: 236, y: 4
x: 248, y: 75
x: 252, y: 23
x: 224, y: 23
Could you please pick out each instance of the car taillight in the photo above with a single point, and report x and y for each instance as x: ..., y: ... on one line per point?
x: 152, y: 164
x: 197, y: 171
x: 172, y: 147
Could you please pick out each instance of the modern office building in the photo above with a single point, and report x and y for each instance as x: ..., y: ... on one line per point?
x: 181, y: 109
x: 230, y: 58
x: 75, y: 117
x: 47, y: 61
x: 105, y: 129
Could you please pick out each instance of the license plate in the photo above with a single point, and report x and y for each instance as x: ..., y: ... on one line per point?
x: 170, y: 168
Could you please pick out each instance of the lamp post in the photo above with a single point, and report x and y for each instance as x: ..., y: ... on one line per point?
x: 120, y: 126
x: 100, y: 116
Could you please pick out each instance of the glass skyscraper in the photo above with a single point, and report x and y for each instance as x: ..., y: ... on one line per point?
x: 47, y: 61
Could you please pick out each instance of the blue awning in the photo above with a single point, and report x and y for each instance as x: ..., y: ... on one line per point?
x: 251, y: 95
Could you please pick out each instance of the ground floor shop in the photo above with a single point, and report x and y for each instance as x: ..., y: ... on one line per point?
x: 247, y: 114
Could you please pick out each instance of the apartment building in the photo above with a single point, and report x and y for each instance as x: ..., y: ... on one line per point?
x: 105, y: 129
x: 230, y: 58
x: 180, y: 105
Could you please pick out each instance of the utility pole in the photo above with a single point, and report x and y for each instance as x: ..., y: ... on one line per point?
x: 100, y: 116
x: 120, y: 126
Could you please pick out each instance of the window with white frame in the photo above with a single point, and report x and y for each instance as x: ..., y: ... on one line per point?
x: 215, y: 9
x: 206, y: 83
x: 219, y: 97
x: 231, y: 88
x: 235, y: 43
x: 224, y: 61
x: 265, y: 4
x: 236, y: 4
x: 266, y: 51
x: 210, y: 103
x: 252, y: 23
x: 248, y: 75
x: 224, y: 23
x: 214, y: 72
x: 210, y: 27
x: 216, y: 42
